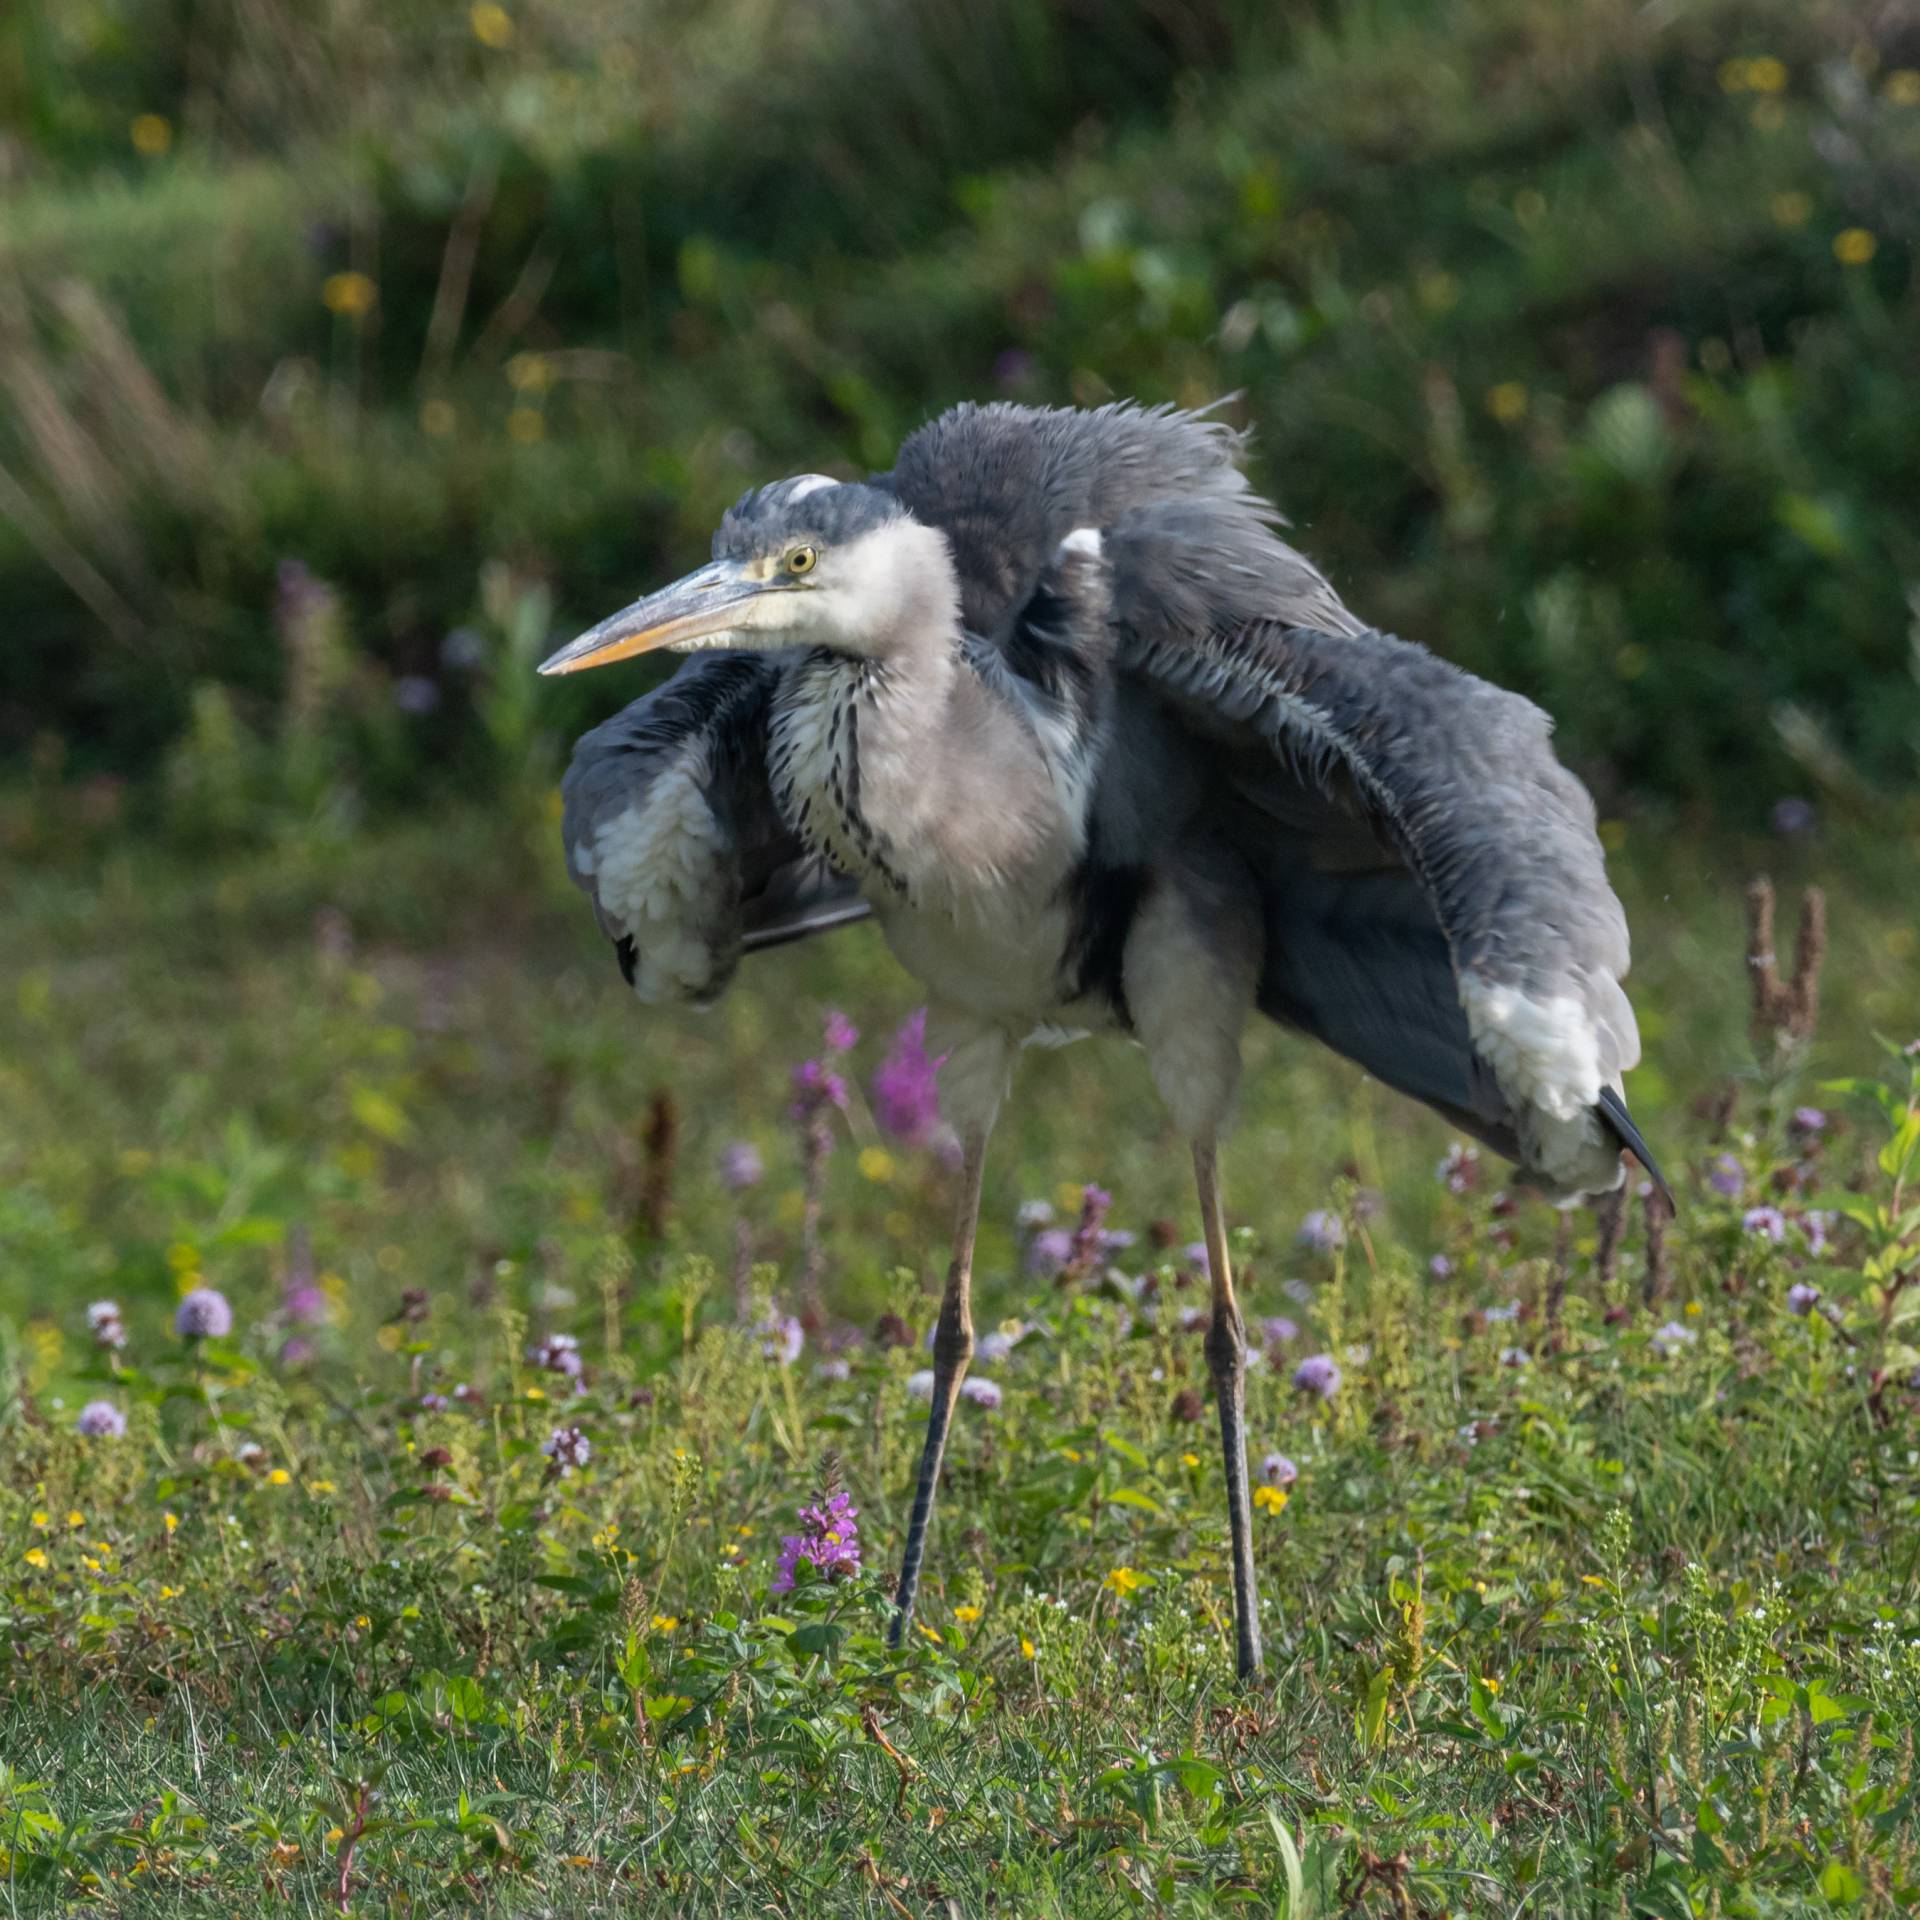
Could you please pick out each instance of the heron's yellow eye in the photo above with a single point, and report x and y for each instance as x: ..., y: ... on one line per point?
x: 802, y: 560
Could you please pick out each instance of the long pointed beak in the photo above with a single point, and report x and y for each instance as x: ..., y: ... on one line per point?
x: 706, y: 602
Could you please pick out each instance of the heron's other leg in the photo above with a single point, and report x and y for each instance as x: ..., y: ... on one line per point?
x: 972, y: 1084
x: 1191, y: 966
x: 1227, y: 1362
x: 952, y: 1349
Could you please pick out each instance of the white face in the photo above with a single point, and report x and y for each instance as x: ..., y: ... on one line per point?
x: 890, y: 588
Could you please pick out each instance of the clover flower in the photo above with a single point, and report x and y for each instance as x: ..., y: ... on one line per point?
x: 1726, y: 1176
x: 108, y: 1329
x: 203, y: 1314
x: 1769, y: 1222
x: 434, y: 1403
x: 1319, y: 1374
x: 983, y: 1393
x: 567, y: 1448
x: 906, y: 1091
x: 1674, y: 1334
x: 1817, y: 1226
x: 1322, y: 1231
x: 995, y: 1347
x: 828, y: 1541
x: 1460, y: 1170
x: 841, y: 1034
x: 557, y: 1353
x: 1802, y: 1298
x: 781, y: 1338
x: 1276, y: 1470
x: 741, y: 1166
x: 1807, y: 1121
x: 1440, y: 1267
x: 1276, y: 1330
x: 101, y: 1420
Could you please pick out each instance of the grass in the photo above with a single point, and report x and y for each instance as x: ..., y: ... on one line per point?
x: 1594, y: 1593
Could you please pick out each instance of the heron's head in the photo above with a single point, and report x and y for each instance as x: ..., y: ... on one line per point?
x: 809, y: 562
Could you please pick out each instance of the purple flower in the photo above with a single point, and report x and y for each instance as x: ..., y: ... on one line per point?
x: 415, y: 693
x: 468, y: 1396
x: 842, y: 1035
x: 993, y: 1348
x: 1194, y: 1253
x: 1769, y: 1222
x: 1459, y: 1170
x: 983, y: 1393
x: 1674, y: 1334
x: 906, y: 1092
x: 1511, y: 1311
x: 203, y: 1314
x: 101, y: 1420
x: 920, y: 1385
x: 1793, y: 816
x: 434, y: 1403
x: 816, y: 1088
x: 305, y: 1306
x: 557, y: 1353
x: 1807, y: 1120
x: 1515, y: 1357
x: 828, y: 1541
x: 1276, y: 1470
x: 833, y: 1368
x: 1440, y: 1267
x: 1817, y: 1225
x: 1726, y: 1176
x: 1276, y: 1330
x: 1195, y: 1319
x: 1049, y: 1251
x: 1322, y: 1231
x: 567, y: 1448
x: 106, y: 1326
x: 741, y: 1166
x: 781, y: 1338
x: 1802, y: 1298
x: 1319, y: 1374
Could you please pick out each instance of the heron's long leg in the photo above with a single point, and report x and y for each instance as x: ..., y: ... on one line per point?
x: 1227, y: 1362
x: 952, y: 1349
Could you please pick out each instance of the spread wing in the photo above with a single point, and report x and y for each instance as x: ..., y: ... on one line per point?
x: 670, y: 828
x: 1435, y: 895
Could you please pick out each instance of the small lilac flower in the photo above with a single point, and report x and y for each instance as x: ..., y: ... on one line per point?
x: 1090, y: 1242
x: 1817, y: 1226
x: 920, y: 1385
x: 1440, y: 1267
x: 1049, y: 1251
x: 1194, y: 1253
x: 829, y: 1542
x: 567, y: 1448
x: 1511, y: 1311
x: 1033, y: 1215
x: 1515, y: 1357
x: 1298, y: 1292
x: 1319, y: 1373
x: 1792, y: 817
x: 104, y: 1322
x: 993, y: 1348
x: 1808, y: 1121
x: 906, y: 1088
x: 468, y: 1396
x: 842, y: 1035
x: 557, y: 1353
x: 741, y: 1166
x: 1195, y: 1319
x: 1769, y: 1222
x: 101, y: 1420
x: 434, y: 1403
x: 781, y: 1338
x: 983, y: 1393
x: 832, y: 1368
x: 1459, y: 1170
x: 305, y: 1306
x: 1276, y: 1330
x: 1276, y: 1470
x: 1322, y: 1231
x: 203, y: 1314
x: 1674, y: 1334
x: 296, y: 1350
x: 1802, y: 1298
x: 1726, y: 1176
x: 415, y: 693
x: 816, y: 1088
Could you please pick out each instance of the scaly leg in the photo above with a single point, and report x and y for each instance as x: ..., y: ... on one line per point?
x: 952, y: 1349
x: 1227, y: 1362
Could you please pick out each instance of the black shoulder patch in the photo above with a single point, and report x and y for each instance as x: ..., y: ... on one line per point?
x: 628, y: 954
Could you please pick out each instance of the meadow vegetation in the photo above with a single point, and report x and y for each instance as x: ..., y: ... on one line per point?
x: 415, y: 1361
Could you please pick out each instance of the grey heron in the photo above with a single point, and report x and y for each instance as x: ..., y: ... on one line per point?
x: 1055, y: 703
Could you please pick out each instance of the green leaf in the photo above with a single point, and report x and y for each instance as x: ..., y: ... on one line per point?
x: 1133, y: 1497
x: 1295, y: 1902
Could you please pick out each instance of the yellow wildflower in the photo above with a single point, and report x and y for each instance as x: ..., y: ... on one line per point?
x: 529, y: 373
x: 1028, y: 1651
x: 1766, y: 75
x: 39, y: 1519
x: 279, y: 1477
x: 526, y: 425
x: 876, y: 1164
x: 1269, y: 1499
x: 929, y: 1632
x: 1854, y: 247
x: 36, y: 1556
x: 350, y: 295
x: 1123, y: 1580
x: 319, y: 1486
x: 75, y: 1518
x: 492, y: 25
x: 1903, y: 87
x: 1189, y: 1459
x: 151, y: 134
x: 171, y: 1593
x: 171, y: 1521
x: 1593, y: 1580
x: 1507, y: 402
x: 665, y: 1622
x: 966, y: 1615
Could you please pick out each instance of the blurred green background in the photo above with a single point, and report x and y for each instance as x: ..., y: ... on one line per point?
x: 350, y: 352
